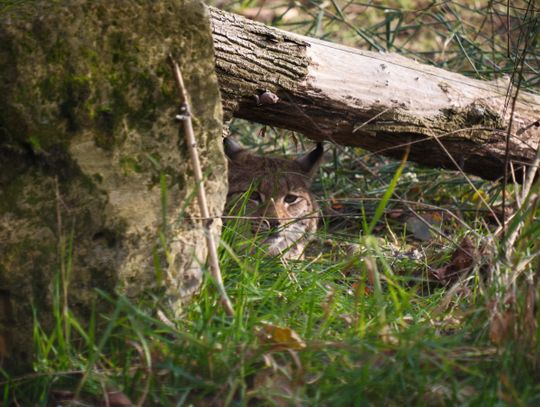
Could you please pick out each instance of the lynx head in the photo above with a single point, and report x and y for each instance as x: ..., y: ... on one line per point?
x: 280, y: 205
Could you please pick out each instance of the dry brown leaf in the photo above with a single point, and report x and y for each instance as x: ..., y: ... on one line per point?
x: 336, y: 205
x: 3, y: 348
x: 276, y: 386
x: 437, y: 395
x: 280, y: 337
x: 501, y: 324
x: 529, y: 319
x: 347, y: 318
x: 278, y: 382
x: 110, y: 399
x: 59, y: 396
x: 395, y: 213
x: 497, y: 329
x: 116, y: 399
x: 357, y: 289
x: 506, y: 391
x: 328, y: 301
x: 441, y: 394
x: 420, y: 227
x: 113, y: 398
x: 461, y: 262
x: 388, y: 335
x: 371, y: 269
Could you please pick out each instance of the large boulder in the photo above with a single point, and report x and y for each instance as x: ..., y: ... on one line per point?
x: 93, y: 169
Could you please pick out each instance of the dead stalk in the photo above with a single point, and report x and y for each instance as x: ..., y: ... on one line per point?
x: 525, y: 190
x: 185, y: 117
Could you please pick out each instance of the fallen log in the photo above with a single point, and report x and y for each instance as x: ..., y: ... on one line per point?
x: 378, y: 101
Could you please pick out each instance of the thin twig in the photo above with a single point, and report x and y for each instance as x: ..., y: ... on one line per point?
x: 185, y: 117
x: 531, y: 175
x: 514, y: 180
x: 527, y: 127
x: 358, y: 127
x: 518, y: 69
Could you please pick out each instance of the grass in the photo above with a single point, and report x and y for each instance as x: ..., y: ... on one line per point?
x: 357, y: 324
x: 363, y: 320
x: 356, y: 345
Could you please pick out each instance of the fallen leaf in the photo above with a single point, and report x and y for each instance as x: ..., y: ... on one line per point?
x: 280, y: 337
x: 116, y: 399
x: 113, y: 398
x: 280, y: 380
x: 275, y: 386
x: 59, y: 396
x: 529, y: 319
x: 357, y: 289
x: 371, y: 270
x: 502, y: 323
x: 388, y: 335
x: 395, y: 213
x: 336, y: 205
x: 442, y: 394
x: 506, y: 391
x: 437, y: 395
x: 420, y: 228
x: 461, y: 262
x: 3, y: 348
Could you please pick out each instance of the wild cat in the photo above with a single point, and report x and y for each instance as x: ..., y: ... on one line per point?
x: 280, y: 206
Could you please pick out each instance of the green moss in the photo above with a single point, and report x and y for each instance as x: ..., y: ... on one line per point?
x: 57, y: 52
x: 98, y: 178
x: 91, y: 83
x: 90, y: 55
x: 35, y: 144
x: 475, y: 116
x: 11, y: 192
x: 130, y: 164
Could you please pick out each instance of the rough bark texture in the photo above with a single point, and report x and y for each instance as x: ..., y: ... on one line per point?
x: 88, y: 143
x: 377, y: 101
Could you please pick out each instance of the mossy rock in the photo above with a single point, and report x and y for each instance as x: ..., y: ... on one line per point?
x: 92, y: 165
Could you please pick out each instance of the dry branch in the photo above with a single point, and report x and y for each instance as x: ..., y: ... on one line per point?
x: 377, y: 101
x: 191, y: 142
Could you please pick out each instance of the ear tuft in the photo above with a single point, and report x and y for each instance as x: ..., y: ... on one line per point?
x: 231, y: 147
x: 310, y: 161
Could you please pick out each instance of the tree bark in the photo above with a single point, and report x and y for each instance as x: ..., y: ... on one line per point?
x: 380, y: 102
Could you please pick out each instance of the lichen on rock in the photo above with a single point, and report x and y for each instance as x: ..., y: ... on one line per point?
x: 91, y: 157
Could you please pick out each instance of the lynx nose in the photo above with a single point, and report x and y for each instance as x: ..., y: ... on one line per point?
x: 273, y: 223
x: 269, y: 225
x: 271, y: 216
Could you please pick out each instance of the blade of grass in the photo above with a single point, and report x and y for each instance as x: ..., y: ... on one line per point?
x: 389, y: 191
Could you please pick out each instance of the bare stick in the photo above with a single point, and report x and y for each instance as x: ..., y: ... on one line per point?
x: 185, y: 117
x: 527, y: 185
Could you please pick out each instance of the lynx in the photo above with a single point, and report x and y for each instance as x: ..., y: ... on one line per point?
x: 280, y: 206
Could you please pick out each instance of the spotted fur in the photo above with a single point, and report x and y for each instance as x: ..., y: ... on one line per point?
x: 280, y: 205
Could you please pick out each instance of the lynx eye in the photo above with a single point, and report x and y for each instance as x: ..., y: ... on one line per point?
x: 290, y: 198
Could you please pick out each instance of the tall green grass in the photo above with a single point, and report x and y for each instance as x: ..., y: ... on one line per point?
x: 359, y: 343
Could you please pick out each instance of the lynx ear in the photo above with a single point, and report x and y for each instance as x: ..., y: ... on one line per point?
x: 231, y: 147
x: 310, y: 162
